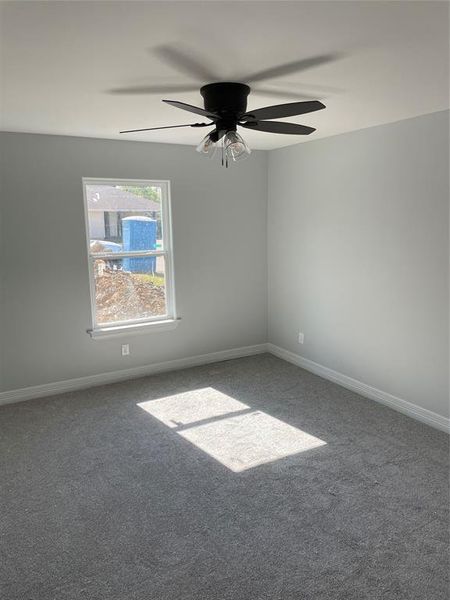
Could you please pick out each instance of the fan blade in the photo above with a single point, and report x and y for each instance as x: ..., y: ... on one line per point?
x: 185, y: 64
x: 278, y: 127
x: 167, y: 127
x: 283, y: 110
x: 153, y: 89
x: 192, y: 109
x: 292, y: 67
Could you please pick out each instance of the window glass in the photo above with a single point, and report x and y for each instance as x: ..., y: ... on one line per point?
x: 124, y: 218
x: 129, y: 289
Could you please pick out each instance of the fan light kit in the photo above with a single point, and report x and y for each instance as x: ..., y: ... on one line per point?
x: 225, y: 105
x: 233, y: 147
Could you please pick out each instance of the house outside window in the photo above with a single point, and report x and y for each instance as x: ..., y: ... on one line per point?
x: 128, y: 226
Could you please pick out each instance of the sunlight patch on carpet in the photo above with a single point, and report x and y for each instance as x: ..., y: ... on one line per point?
x: 231, y: 432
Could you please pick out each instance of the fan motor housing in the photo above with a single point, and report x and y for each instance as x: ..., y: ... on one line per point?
x: 225, y: 98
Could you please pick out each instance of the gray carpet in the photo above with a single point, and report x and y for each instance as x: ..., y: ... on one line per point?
x: 283, y: 486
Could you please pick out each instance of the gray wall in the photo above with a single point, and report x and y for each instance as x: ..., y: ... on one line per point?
x: 359, y: 255
x: 219, y: 221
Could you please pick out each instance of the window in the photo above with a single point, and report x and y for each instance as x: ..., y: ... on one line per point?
x: 130, y: 255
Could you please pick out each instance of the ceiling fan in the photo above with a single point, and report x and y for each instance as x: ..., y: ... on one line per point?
x: 225, y: 105
x: 226, y: 108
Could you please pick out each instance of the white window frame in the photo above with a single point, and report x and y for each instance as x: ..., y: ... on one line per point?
x: 145, y: 324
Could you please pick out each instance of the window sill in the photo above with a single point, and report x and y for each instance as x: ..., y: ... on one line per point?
x: 133, y: 329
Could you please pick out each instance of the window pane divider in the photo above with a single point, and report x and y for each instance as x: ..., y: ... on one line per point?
x: 133, y: 254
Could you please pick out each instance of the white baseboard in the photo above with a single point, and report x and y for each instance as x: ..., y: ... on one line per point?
x: 408, y: 408
x: 69, y: 385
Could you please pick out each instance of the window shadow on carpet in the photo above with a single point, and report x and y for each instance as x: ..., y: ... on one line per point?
x: 235, y: 434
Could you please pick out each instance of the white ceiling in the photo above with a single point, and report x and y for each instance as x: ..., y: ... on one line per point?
x: 61, y: 59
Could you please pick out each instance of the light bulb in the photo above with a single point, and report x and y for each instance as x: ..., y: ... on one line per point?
x: 207, y: 146
x: 235, y: 146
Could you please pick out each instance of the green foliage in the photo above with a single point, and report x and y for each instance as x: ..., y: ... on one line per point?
x: 148, y: 191
x: 147, y: 278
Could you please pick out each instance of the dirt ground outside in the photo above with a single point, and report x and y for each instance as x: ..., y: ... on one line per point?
x: 122, y: 295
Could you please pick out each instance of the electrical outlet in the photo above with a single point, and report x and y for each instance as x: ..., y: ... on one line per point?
x: 125, y: 349
x: 301, y: 337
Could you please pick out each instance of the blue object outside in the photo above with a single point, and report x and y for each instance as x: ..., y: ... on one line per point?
x: 139, y: 233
